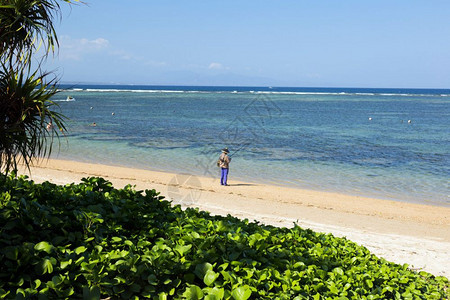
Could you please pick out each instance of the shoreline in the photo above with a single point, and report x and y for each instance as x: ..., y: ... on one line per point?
x: 400, y: 232
x: 275, y: 183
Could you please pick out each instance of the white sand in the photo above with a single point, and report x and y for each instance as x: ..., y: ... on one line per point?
x: 418, y: 235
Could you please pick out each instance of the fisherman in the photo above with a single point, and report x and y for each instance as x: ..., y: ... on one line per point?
x: 224, y: 164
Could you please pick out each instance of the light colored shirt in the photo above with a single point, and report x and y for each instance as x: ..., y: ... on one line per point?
x: 224, y: 161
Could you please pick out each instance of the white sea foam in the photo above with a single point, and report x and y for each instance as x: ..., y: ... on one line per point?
x: 164, y: 91
x: 298, y: 93
x: 365, y: 94
x: 64, y: 100
x: 135, y: 91
x: 104, y: 90
x: 403, y: 95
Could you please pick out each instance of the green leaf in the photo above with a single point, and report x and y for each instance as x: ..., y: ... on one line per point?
x: 182, y: 249
x: 333, y: 289
x: 44, y: 246
x: 152, y: 279
x: 162, y: 296
x: 201, y: 269
x: 338, y: 271
x: 45, y: 266
x: 210, y: 277
x: 36, y: 284
x: 65, y: 263
x: 369, y: 283
x: 20, y: 294
x: 241, y: 293
x: 116, y: 239
x: 91, y: 293
x: 57, y: 280
x: 299, y: 265
x: 68, y: 292
x: 215, y: 294
x: 80, y: 249
x: 193, y: 292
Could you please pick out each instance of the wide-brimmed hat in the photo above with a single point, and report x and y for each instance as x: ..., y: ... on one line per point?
x: 225, y: 150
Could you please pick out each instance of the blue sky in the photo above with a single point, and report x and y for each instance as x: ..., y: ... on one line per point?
x: 329, y: 43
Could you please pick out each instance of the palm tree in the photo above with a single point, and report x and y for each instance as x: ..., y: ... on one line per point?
x: 25, y: 94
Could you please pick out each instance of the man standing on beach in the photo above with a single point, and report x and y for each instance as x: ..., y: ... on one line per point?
x: 224, y: 164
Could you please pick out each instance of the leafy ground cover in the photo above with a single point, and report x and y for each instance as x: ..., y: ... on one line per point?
x: 92, y: 241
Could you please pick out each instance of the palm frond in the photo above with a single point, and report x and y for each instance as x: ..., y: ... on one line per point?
x: 26, y: 22
x: 25, y: 110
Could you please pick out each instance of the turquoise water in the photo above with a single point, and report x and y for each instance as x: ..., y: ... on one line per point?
x: 353, y: 141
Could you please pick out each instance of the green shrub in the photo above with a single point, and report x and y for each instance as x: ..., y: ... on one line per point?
x: 93, y: 241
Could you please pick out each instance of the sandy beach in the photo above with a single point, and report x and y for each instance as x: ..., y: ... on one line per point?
x: 401, y: 232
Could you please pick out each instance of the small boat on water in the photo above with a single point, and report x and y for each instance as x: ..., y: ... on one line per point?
x: 70, y: 98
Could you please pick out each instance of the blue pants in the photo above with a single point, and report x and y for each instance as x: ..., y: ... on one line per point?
x: 224, y: 176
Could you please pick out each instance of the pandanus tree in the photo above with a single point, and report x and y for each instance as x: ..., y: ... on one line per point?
x: 27, y: 38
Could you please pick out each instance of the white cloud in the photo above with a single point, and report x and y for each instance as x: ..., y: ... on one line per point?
x: 123, y: 55
x: 217, y: 66
x: 97, y: 44
x: 72, y: 49
x: 75, y: 49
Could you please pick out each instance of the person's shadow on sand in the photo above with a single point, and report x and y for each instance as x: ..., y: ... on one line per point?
x: 241, y: 184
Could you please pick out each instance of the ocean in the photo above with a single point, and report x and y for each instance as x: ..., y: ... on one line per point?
x: 383, y: 143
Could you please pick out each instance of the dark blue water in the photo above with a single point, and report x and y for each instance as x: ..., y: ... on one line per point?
x: 385, y: 143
